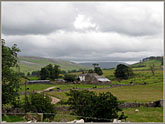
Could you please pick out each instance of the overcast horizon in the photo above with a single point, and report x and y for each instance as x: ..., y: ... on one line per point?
x: 85, y: 31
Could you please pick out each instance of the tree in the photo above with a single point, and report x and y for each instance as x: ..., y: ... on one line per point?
x: 93, y: 107
x: 10, y: 79
x: 152, y: 67
x: 123, y: 72
x: 95, y: 65
x: 40, y: 103
x: 98, y: 70
x: 44, y: 74
x: 50, y: 72
x: 56, y: 71
x: 90, y: 71
x: 21, y: 74
x: 36, y: 73
x: 28, y: 74
x: 69, y: 77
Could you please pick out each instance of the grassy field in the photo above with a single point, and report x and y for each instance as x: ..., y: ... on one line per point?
x: 151, y: 91
x: 38, y: 87
x: 137, y: 93
x: 35, y: 87
x: 145, y: 114
x: 139, y: 77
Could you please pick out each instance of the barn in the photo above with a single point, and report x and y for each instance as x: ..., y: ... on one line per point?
x: 93, y: 77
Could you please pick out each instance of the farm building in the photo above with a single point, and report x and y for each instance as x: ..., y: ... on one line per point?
x: 82, y: 77
x: 93, y: 77
x: 38, y: 82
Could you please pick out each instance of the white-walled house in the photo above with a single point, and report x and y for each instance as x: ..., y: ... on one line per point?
x: 82, y: 77
x: 92, y: 77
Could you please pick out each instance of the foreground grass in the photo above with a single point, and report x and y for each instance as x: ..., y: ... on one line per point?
x: 145, y: 114
x: 13, y: 118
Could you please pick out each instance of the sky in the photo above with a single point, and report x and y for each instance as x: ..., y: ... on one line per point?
x: 85, y: 31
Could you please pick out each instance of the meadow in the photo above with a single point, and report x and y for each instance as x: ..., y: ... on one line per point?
x: 145, y: 87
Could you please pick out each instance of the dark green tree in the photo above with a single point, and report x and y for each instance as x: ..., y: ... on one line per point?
x: 21, y: 74
x: 69, y: 77
x: 50, y: 72
x: 90, y: 71
x: 28, y: 74
x: 44, y: 74
x: 40, y: 103
x: 36, y: 73
x: 10, y: 79
x: 98, y: 70
x: 56, y: 71
x: 102, y: 107
x: 123, y: 72
x: 95, y: 65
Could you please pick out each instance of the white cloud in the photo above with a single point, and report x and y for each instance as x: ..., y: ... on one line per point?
x: 84, y: 22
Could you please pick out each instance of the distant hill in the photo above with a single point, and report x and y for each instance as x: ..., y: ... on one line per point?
x: 147, y: 62
x: 104, y: 65
x: 31, y: 63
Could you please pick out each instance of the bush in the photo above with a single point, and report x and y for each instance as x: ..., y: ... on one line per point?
x: 98, y: 108
x: 40, y: 103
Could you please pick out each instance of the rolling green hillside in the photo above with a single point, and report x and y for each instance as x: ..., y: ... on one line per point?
x: 146, y: 64
x: 29, y: 64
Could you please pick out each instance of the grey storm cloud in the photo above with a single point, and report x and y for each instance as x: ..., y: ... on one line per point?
x: 36, y: 18
x: 43, y: 18
x: 85, y: 31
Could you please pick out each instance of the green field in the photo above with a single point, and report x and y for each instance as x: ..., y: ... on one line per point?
x: 138, y: 93
x: 146, y: 88
x: 38, y: 87
x: 145, y: 114
x: 35, y: 87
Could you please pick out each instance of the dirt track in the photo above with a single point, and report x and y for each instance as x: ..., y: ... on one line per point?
x: 54, y: 99
x: 45, y: 90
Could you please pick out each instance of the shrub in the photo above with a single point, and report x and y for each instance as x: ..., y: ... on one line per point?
x: 40, y: 103
x: 102, y: 107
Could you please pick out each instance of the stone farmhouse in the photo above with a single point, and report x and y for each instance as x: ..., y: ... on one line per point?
x: 92, y: 78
